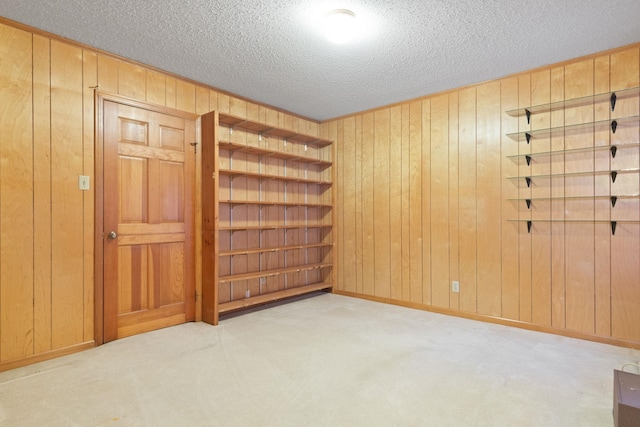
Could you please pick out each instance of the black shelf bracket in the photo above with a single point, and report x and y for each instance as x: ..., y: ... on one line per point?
x: 614, y: 199
x: 528, y: 114
x: 613, y: 227
x: 528, y: 158
x: 614, y: 175
x: 528, y: 180
x: 528, y: 203
x: 613, y: 101
x: 613, y: 150
x: 529, y: 223
x: 614, y: 126
x: 528, y: 136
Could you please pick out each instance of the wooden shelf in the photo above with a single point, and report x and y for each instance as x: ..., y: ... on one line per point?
x: 273, y: 272
x: 275, y: 227
x: 273, y: 249
x: 576, y: 102
x: 285, y: 204
x: 278, y: 151
x: 233, y: 122
x: 232, y: 146
x: 274, y: 296
x: 234, y: 173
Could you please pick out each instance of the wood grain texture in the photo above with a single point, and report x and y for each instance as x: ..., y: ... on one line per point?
x: 454, y: 196
x: 16, y: 196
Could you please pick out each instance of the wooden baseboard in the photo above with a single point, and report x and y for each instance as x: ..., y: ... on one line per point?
x: 41, y: 357
x: 496, y: 320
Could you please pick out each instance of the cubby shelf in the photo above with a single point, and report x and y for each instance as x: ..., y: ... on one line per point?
x: 275, y: 224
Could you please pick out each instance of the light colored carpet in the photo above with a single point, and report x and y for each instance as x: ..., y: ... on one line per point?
x: 323, y: 361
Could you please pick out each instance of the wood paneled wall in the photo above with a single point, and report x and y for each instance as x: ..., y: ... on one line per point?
x: 46, y: 141
x: 423, y: 200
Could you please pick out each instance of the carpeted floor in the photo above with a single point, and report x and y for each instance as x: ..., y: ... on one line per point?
x: 323, y: 361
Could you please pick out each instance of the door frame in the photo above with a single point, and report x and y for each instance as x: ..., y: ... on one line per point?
x: 100, y: 98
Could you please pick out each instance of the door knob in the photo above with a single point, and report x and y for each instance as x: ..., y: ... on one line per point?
x: 112, y: 235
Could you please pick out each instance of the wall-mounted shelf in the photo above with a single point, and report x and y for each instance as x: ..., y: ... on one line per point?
x: 267, y: 214
x: 613, y: 149
x: 613, y: 124
x: 611, y: 97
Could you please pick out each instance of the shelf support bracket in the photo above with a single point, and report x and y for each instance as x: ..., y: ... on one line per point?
x: 614, y: 175
x: 614, y: 199
x: 614, y: 126
x: 528, y: 114
x: 529, y: 223
x: 613, y: 227
x: 528, y: 181
x: 613, y: 101
x: 528, y: 136
x: 528, y: 203
x: 528, y: 158
x: 613, y: 150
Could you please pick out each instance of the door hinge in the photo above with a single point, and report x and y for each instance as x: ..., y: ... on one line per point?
x: 195, y: 147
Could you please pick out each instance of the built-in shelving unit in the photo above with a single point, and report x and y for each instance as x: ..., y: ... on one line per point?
x: 526, y: 160
x: 267, y: 214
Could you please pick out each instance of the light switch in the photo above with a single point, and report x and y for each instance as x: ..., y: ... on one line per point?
x: 83, y: 182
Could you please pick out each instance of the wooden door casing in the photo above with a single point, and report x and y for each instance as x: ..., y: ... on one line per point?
x: 148, y: 196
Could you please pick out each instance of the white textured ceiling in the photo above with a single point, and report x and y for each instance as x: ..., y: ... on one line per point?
x: 272, y: 52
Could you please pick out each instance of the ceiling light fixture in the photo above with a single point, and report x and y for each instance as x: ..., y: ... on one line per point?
x: 340, y: 25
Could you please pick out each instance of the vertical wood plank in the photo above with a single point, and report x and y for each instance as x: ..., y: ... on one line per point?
x: 107, y: 74
x: 348, y: 249
x: 468, y: 201
x: 510, y: 294
x: 156, y: 92
x: 358, y: 203
x: 524, y: 237
x: 405, y: 220
x: 415, y: 202
x: 541, y: 206
x: 454, y: 197
x: 425, y: 213
x: 42, y: 194
x: 16, y: 194
x: 488, y: 199
x: 580, y: 243
x: 202, y: 102
x: 625, y: 244
x: 185, y: 96
x: 131, y: 80
x: 90, y: 80
x: 368, y: 172
x: 395, y: 201
x: 66, y: 210
x: 381, y: 197
x: 439, y: 254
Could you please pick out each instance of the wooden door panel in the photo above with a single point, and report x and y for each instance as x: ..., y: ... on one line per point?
x: 148, y: 189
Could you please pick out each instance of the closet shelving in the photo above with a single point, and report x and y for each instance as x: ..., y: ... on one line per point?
x: 613, y: 125
x: 267, y: 214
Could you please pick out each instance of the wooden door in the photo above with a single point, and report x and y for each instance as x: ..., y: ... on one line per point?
x: 148, y: 193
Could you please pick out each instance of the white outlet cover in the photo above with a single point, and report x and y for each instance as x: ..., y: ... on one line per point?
x: 83, y: 182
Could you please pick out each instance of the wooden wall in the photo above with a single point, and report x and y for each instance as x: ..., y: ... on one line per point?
x: 423, y: 200
x: 46, y: 141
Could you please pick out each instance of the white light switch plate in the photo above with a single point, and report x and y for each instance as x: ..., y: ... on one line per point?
x: 83, y: 182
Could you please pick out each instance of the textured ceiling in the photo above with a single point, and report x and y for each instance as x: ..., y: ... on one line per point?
x: 271, y: 51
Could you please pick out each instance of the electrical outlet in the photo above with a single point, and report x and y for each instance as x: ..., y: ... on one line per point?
x: 248, y: 294
x: 83, y: 182
x: 455, y: 286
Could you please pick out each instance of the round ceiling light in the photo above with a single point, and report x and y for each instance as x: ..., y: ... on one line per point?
x: 340, y: 25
